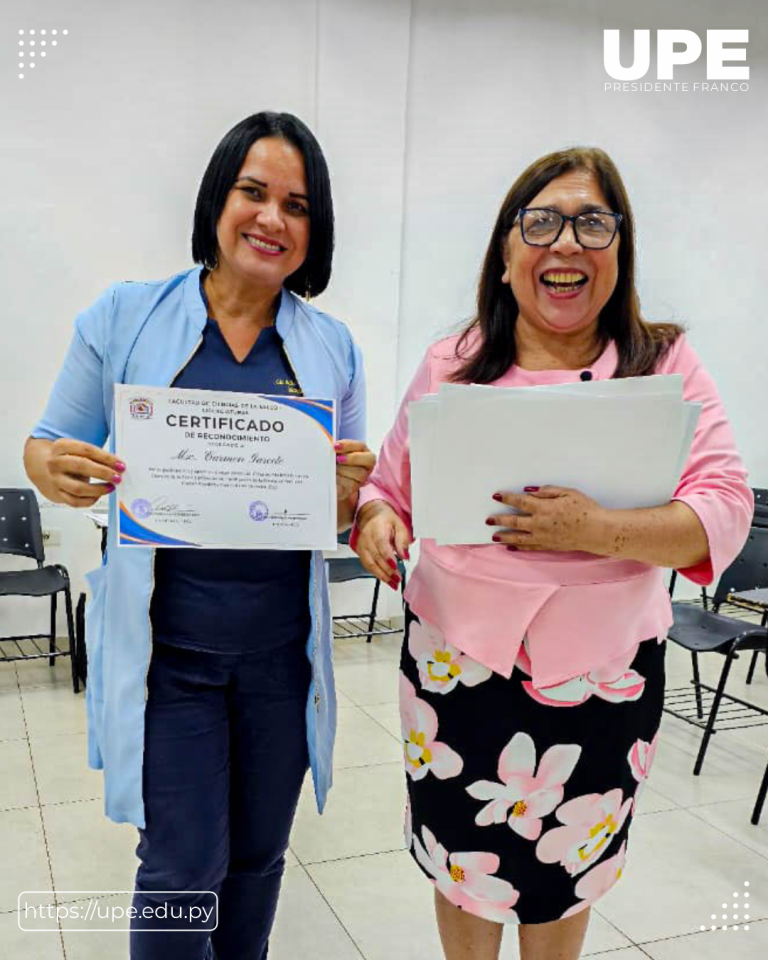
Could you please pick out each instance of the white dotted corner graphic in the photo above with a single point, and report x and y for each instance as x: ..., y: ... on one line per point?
x: 27, y: 43
x: 744, y: 916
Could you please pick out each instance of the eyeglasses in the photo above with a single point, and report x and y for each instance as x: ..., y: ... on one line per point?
x: 541, y: 227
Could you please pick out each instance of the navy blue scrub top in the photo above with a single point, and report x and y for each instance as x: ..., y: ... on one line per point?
x: 233, y: 601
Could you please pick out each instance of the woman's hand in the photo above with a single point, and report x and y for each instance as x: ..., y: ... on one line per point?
x: 68, y: 467
x: 551, y: 518
x: 354, y: 463
x: 382, y: 538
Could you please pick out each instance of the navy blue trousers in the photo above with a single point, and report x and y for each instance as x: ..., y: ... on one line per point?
x: 224, y: 760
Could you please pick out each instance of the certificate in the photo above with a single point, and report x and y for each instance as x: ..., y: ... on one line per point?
x: 225, y: 470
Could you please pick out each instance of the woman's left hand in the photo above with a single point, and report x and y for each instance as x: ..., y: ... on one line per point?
x: 354, y: 463
x: 551, y: 518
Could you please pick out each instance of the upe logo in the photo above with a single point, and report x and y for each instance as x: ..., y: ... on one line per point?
x: 689, y: 47
x: 141, y: 409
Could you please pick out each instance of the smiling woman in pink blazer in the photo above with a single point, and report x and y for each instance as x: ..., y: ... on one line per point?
x: 532, y: 673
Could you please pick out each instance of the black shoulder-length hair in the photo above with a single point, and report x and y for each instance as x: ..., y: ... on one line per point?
x: 640, y: 344
x: 313, y: 275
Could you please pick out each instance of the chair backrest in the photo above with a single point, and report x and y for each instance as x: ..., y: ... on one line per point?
x: 20, y: 530
x: 760, y: 517
x: 749, y: 570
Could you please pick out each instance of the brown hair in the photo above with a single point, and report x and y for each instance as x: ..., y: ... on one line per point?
x: 640, y: 344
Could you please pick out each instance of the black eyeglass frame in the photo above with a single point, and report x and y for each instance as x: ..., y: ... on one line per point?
x: 617, y: 218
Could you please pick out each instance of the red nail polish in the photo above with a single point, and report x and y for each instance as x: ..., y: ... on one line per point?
x: 490, y: 522
x: 530, y: 489
x: 119, y: 465
x: 395, y: 583
x: 338, y: 446
x: 392, y: 563
x: 341, y: 459
x: 497, y: 496
x: 110, y: 487
x: 117, y: 478
x: 406, y: 555
x: 496, y: 538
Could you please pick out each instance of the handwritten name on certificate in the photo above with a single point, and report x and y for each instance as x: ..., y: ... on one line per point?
x: 225, y: 470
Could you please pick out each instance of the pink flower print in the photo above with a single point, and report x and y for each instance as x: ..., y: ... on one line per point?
x: 598, y: 881
x: 465, y: 879
x: 423, y: 752
x: 530, y: 795
x: 441, y: 665
x: 613, y: 681
x: 591, y: 822
x: 640, y: 759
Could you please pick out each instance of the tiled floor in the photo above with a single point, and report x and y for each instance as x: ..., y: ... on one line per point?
x: 350, y: 889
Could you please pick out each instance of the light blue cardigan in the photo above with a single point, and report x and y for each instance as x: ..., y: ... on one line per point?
x: 144, y: 333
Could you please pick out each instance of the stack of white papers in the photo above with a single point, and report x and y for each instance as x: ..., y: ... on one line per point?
x: 622, y: 442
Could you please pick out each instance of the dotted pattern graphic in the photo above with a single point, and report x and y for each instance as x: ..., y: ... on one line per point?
x: 26, y: 47
x: 744, y: 916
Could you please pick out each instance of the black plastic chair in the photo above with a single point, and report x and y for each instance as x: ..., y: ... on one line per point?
x: 707, y: 631
x: 342, y: 569
x: 21, y: 535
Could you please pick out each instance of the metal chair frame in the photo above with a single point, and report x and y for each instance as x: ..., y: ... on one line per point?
x: 745, y: 636
x: 350, y: 625
x: 12, y: 542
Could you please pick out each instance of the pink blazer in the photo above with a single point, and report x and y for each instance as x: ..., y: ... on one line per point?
x: 576, y: 611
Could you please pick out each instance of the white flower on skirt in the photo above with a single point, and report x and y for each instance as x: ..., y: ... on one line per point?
x: 530, y: 794
x: 441, y: 665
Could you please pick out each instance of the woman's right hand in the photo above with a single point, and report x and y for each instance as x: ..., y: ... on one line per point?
x: 69, y: 467
x: 382, y: 537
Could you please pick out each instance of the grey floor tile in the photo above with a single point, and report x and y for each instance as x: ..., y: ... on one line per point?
x: 366, y: 683
x: 24, y: 857
x: 53, y: 710
x: 738, y: 944
x: 361, y: 741
x: 11, y: 715
x: 62, y: 771
x: 306, y: 926
x: 17, y: 784
x: 75, y: 832
x: 17, y: 944
x: 678, y: 871
x: 364, y: 815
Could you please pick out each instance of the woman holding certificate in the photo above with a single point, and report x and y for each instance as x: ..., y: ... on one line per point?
x: 210, y: 685
x: 532, y: 674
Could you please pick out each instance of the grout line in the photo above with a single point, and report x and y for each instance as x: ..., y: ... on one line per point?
x: 385, y: 729
x: 354, y: 856
x: 42, y: 819
x: 741, y: 843
x: 693, y: 933
x: 336, y: 916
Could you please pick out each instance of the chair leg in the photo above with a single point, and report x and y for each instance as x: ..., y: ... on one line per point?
x: 672, y: 582
x: 72, y: 641
x: 704, y: 598
x: 752, y: 665
x: 713, y: 712
x: 372, y: 618
x: 760, y: 798
x: 697, y: 684
x: 52, y: 642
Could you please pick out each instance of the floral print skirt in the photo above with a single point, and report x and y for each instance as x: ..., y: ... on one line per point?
x: 520, y: 801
